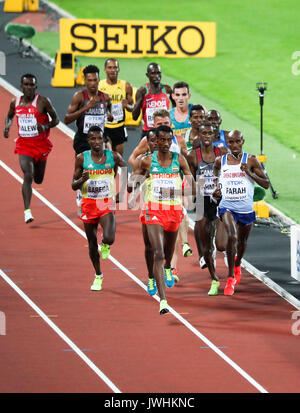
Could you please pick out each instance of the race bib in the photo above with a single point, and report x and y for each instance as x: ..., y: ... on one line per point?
x: 150, y: 112
x: 117, y: 112
x: 167, y: 184
x: 93, y: 120
x: 98, y: 189
x: 235, y: 190
x: 27, y: 127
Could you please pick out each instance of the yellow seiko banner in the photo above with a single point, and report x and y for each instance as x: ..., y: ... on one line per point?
x: 137, y: 38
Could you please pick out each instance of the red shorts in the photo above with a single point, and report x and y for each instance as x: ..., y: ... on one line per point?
x: 92, y: 210
x: 169, y: 219
x: 38, y: 149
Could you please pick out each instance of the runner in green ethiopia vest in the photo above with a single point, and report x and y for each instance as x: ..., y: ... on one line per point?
x: 94, y: 174
x: 162, y: 212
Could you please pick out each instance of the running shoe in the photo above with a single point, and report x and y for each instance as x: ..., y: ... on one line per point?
x: 152, y: 289
x: 214, y: 288
x: 28, y: 216
x: 163, y: 307
x: 169, y: 279
x: 237, y: 274
x: 229, y: 287
x: 97, y: 284
x: 105, y: 251
x: 186, y: 250
x: 175, y: 275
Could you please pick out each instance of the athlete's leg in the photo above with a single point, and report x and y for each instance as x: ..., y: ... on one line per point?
x: 156, y: 238
x: 119, y: 148
x: 91, y: 233
x: 206, y: 228
x: 27, y: 166
x: 149, y: 257
x: 108, y: 224
x: 243, y: 234
x: 39, y: 171
x: 232, y: 235
x: 196, y: 235
x: 221, y: 236
x: 170, y: 238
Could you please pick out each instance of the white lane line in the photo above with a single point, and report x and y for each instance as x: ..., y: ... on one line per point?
x: 58, y: 331
x: 142, y: 285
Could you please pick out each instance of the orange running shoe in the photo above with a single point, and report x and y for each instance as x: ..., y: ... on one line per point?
x: 229, y: 287
x: 237, y: 274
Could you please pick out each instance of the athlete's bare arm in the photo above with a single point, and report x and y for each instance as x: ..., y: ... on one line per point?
x: 140, y: 94
x: 79, y: 176
x: 140, y: 149
x: 9, y: 117
x: 254, y: 170
x: 44, y: 105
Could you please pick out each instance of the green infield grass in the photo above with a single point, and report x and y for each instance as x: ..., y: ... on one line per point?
x: 255, y: 43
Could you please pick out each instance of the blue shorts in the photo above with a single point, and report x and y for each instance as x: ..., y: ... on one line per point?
x: 243, y: 219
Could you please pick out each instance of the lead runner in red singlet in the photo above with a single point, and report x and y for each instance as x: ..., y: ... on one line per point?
x: 151, y: 97
x: 32, y: 145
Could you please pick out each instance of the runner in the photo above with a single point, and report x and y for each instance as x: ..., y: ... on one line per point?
x: 236, y: 173
x: 88, y: 107
x: 120, y: 92
x: 160, y: 117
x: 201, y: 162
x: 151, y: 97
x: 162, y: 212
x: 180, y: 114
x: 32, y: 145
x: 94, y: 174
x: 197, y: 117
x: 152, y: 145
x: 214, y: 117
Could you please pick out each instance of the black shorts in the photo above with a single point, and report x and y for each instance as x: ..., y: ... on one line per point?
x: 80, y: 143
x: 206, y: 208
x: 116, y: 135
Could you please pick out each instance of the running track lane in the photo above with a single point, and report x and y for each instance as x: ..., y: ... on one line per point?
x: 119, y: 329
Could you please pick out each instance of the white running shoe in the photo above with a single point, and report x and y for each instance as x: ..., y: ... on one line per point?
x: 28, y: 216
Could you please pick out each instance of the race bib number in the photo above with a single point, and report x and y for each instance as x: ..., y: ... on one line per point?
x: 234, y: 191
x: 150, y: 112
x: 27, y: 127
x: 98, y: 189
x: 117, y: 112
x: 93, y: 120
x: 162, y: 189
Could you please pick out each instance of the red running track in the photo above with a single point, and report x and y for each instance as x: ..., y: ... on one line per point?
x: 115, y: 340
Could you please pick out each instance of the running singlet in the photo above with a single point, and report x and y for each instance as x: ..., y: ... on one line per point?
x: 205, y: 170
x: 168, y: 178
x: 237, y: 187
x: 93, y: 117
x: 117, y: 92
x: 28, y: 118
x: 222, y: 140
x: 151, y: 104
x: 189, y: 144
x: 100, y: 184
x: 180, y: 128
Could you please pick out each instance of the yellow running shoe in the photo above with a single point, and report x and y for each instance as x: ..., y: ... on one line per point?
x: 105, y: 251
x: 214, y: 288
x: 97, y: 284
x: 163, y: 307
x: 186, y: 250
